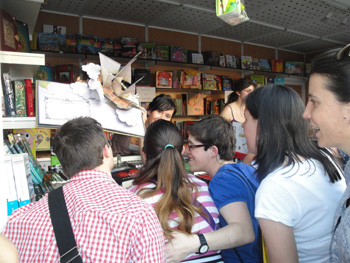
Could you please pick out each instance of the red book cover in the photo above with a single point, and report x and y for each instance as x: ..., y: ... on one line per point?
x: 8, y: 32
x: 29, y: 97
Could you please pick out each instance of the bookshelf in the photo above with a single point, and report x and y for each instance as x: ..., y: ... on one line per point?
x: 19, y: 65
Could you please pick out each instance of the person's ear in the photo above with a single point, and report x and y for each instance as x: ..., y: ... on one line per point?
x: 183, y: 150
x: 214, y: 150
x: 107, y: 151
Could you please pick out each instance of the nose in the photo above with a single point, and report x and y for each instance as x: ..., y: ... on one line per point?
x: 306, y: 113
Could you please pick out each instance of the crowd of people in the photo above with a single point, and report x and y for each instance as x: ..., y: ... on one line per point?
x: 291, y: 197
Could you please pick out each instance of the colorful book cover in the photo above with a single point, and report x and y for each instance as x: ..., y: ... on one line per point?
x: 148, y: 50
x: 258, y: 79
x: 178, y: 104
x: 164, y: 79
x: 178, y: 54
x: 192, y: 79
x: 226, y: 83
x: 277, y: 65
x: 279, y: 81
x: 264, y: 65
x: 294, y: 67
x: 42, y: 139
x: 246, y: 62
x: 20, y: 98
x: 195, y: 104
x: 255, y: 64
x: 270, y: 80
x: 178, y: 79
x: 23, y: 37
x: 209, y: 81
x: 162, y: 52
x: 29, y: 97
x: 43, y: 73
x: 29, y: 135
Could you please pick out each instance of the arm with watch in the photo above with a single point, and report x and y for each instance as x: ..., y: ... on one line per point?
x: 238, y: 231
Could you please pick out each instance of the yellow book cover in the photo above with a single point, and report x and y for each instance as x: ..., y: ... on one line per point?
x: 30, y: 138
x: 42, y: 136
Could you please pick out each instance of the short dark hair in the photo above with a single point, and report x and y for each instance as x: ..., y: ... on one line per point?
x: 337, y: 72
x: 215, y: 130
x: 239, y: 85
x: 79, y: 145
x: 163, y: 103
x: 282, y: 131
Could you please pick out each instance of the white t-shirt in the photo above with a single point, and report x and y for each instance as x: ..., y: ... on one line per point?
x: 303, y: 198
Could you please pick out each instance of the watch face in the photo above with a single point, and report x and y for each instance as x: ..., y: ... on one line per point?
x: 203, y: 249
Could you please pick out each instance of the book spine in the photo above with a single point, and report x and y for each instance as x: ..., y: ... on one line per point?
x: 20, y: 98
x: 9, y: 96
x: 29, y: 97
x: 3, y: 107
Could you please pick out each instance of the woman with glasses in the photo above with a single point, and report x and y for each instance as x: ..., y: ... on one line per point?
x: 300, y: 184
x: 328, y: 111
x: 181, y: 201
x: 211, y: 145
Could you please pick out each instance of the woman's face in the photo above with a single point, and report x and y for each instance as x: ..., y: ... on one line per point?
x: 328, y: 117
x: 244, y: 93
x: 158, y: 114
x: 250, y: 126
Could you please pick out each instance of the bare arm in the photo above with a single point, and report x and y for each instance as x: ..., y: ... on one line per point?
x: 280, y: 241
x: 238, y: 232
x: 8, y: 252
x: 226, y: 113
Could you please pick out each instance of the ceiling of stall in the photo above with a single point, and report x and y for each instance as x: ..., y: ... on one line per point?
x: 303, y: 26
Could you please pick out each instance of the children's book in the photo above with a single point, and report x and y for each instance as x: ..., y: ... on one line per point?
x: 9, y: 95
x: 20, y: 98
x: 191, y: 79
x: 258, y: 79
x: 195, y: 104
x: 255, y: 64
x: 246, y: 62
x: 294, y: 67
x: 162, y: 52
x: 231, y: 61
x: 279, y: 81
x: 270, y: 80
x: 264, y: 65
x: 29, y: 97
x: 178, y: 79
x: 209, y: 81
x: 164, y: 79
x: 226, y: 83
x: 277, y: 65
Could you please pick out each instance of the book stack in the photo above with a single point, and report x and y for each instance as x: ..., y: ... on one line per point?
x: 17, y: 97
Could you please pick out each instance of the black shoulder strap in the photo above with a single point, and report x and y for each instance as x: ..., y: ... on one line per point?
x: 67, y: 246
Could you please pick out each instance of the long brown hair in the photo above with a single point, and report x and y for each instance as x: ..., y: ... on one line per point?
x: 165, y: 167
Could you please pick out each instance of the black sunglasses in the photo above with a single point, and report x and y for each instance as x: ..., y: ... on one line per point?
x: 344, y: 52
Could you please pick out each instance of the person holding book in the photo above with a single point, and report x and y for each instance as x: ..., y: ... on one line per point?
x: 328, y: 111
x: 300, y: 184
x: 210, y: 148
x: 109, y: 223
x: 234, y: 109
x: 181, y: 201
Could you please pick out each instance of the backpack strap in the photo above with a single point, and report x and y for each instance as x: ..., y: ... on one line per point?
x: 62, y: 228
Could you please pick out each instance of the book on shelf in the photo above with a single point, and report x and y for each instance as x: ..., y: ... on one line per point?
x: 148, y: 50
x: 23, y: 36
x: 178, y: 79
x: 222, y: 61
x: 3, y: 107
x: 9, y: 95
x: 178, y: 54
x: 8, y: 32
x: 277, y: 65
x: 297, y: 68
x: 264, y: 65
x: 43, y: 73
x: 20, y: 98
x: 144, y: 75
x: 178, y: 105
x: 191, y: 79
x: 195, y: 58
x: 258, y: 79
x: 210, y: 82
x: 246, y: 62
x: 270, y: 80
x: 162, y: 52
x: 10, y: 188
x: 42, y: 139
x: 29, y: 97
x: 255, y: 64
x: 29, y: 134
x: 226, y: 83
x: 231, y: 61
x: 279, y: 81
x: 195, y: 104
x: 164, y: 79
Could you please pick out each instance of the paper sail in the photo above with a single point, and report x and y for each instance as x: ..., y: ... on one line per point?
x: 109, y: 68
x: 125, y: 72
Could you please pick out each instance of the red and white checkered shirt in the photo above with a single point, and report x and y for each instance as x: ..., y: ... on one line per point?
x: 110, y: 224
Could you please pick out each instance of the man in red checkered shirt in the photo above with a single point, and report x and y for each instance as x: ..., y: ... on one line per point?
x: 110, y: 224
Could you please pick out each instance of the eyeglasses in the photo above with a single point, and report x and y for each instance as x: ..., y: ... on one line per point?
x: 344, y: 52
x: 193, y: 146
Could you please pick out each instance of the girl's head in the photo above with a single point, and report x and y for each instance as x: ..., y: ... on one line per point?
x: 275, y: 128
x: 164, y: 166
x: 241, y: 89
x: 161, y: 107
x: 328, y: 108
